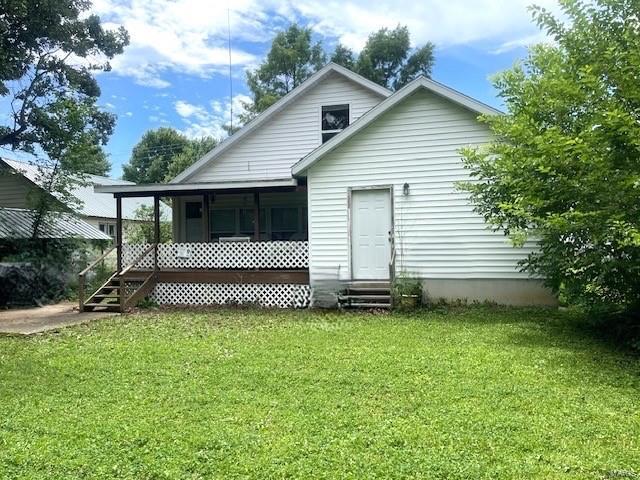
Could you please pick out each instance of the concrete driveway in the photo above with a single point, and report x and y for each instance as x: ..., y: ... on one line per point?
x: 26, y: 321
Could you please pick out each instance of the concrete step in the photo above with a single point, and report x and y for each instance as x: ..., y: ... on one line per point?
x: 367, y: 305
x: 365, y: 297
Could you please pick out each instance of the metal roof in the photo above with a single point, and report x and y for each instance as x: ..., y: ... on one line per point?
x: 93, y: 204
x: 18, y: 223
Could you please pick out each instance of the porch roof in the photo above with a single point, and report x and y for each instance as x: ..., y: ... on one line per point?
x: 175, y: 189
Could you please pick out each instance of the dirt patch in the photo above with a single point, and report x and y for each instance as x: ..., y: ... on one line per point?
x: 26, y: 321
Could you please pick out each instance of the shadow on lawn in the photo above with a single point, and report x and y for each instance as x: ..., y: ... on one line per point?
x: 554, y: 328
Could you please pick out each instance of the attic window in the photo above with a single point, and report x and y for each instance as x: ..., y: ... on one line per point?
x: 335, y: 118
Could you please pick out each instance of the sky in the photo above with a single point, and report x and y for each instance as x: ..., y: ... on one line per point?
x: 175, y: 72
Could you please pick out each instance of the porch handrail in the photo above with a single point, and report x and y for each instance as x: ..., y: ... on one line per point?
x: 83, y: 274
x: 392, y: 260
x: 98, y: 260
x: 146, y: 252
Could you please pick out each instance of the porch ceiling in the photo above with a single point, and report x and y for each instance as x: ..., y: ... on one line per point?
x: 175, y: 189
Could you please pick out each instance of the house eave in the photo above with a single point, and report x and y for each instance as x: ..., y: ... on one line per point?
x: 169, y: 189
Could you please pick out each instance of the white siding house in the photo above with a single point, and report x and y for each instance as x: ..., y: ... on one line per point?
x: 340, y: 183
x: 412, y: 150
x: 269, y: 152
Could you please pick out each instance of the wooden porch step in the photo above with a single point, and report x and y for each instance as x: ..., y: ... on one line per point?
x: 109, y: 306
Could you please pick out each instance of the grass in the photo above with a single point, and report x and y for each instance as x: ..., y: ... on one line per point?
x: 471, y: 393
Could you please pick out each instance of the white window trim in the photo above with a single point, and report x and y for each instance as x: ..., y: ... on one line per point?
x: 320, y: 118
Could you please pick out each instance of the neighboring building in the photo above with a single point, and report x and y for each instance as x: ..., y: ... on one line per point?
x: 18, y: 179
x: 328, y: 195
x: 17, y: 223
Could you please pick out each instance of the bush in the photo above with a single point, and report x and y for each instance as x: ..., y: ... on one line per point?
x: 39, y: 271
x: 406, y: 291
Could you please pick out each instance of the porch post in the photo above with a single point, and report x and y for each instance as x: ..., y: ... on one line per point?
x: 156, y: 229
x: 256, y: 216
x: 119, y: 232
x: 205, y: 217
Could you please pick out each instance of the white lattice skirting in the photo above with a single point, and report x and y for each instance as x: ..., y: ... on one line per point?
x: 222, y: 255
x: 265, y: 295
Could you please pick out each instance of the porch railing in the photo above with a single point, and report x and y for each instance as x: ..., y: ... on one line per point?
x: 276, y: 255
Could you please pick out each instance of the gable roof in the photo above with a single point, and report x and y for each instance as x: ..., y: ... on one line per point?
x: 93, y: 204
x: 18, y: 223
x: 277, y: 107
x: 419, y: 83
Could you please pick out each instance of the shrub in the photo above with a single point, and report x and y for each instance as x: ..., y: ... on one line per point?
x: 406, y: 291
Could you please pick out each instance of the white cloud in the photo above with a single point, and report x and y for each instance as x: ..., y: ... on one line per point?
x: 444, y: 22
x: 201, y: 121
x: 190, y: 36
x: 187, y: 36
x: 185, y: 109
x: 521, y: 42
x: 128, y: 114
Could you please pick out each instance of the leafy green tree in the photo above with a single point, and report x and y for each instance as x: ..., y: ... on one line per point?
x: 41, y: 78
x: 52, y: 96
x: 194, y: 151
x: 343, y: 56
x: 565, y: 167
x: 142, y: 229
x: 387, y: 59
x: 153, y: 154
x: 292, y: 59
x: 89, y: 159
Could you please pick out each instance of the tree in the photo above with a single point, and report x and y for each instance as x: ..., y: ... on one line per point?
x: 291, y: 60
x: 386, y: 60
x: 343, y: 56
x: 565, y: 166
x: 48, y: 53
x: 89, y: 159
x: 194, y: 151
x: 46, y: 87
x: 142, y: 229
x: 153, y: 154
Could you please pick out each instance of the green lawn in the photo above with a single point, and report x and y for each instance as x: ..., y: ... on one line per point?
x: 471, y: 393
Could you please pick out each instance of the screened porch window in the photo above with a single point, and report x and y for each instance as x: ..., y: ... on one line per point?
x: 246, y: 222
x: 284, y: 222
x: 223, y: 223
x: 335, y: 118
x: 276, y: 223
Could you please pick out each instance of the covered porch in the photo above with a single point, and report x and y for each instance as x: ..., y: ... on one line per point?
x: 233, y: 243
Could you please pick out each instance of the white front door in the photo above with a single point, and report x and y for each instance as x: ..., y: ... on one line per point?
x: 370, y: 231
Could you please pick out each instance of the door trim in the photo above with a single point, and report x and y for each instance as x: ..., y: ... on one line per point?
x: 350, y: 190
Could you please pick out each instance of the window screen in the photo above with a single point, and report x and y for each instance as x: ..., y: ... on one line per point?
x: 223, y: 222
x: 284, y: 222
x: 335, y: 117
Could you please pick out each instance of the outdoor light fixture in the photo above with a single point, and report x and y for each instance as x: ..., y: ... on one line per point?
x: 405, y: 189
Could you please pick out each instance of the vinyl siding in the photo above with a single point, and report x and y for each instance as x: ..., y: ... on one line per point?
x: 272, y: 149
x: 437, y: 234
x: 14, y: 190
